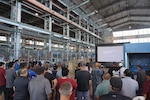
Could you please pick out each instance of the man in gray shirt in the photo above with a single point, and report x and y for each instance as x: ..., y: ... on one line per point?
x: 10, y: 77
x: 39, y: 87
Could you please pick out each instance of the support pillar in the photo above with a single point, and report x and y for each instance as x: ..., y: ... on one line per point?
x: 79, y: 51
x: 79, y: 34
x: 16, y: 16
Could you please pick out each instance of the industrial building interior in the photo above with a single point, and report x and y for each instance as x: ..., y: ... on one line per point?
x: 61, y: 30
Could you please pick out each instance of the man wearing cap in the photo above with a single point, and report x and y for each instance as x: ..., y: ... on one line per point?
x: 122, y: 69
x: 115, y: 88
x: 114, y: 70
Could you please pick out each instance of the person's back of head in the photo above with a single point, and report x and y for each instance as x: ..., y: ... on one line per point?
x: 97, y: 65
x: 127, y: 72
x: 106, y: 76
x: 1, y: 64
x: 82, y: 65
x: 148, y: 74
x: 116, y: 84
x: 23, y: 65
x: 39, y: 70
x: 23, y: 72
x: 11, y: 64
x: 16, y: 61
x: 139, y: 67
x: 65, y: 71
x: 65, y: 91
x: 55, y: 66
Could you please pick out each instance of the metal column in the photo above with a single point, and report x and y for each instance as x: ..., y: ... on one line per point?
x: 68, y: 35
x: 16, y: 16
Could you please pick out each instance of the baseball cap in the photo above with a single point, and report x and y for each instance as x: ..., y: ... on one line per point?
x: 120, y: 64
x: 81, y: 64
x: 116, y: 83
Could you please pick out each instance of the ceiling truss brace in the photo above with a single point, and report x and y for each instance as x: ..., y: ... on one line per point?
x: 78, y: 5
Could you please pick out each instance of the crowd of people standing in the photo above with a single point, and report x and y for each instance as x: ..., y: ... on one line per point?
x: 37, y: 81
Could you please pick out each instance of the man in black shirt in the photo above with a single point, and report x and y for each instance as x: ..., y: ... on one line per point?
x: 84, y: 82
x: 113, y: 68
x: 49, y: 75
x: 21, y: 85
x: 115, y: 88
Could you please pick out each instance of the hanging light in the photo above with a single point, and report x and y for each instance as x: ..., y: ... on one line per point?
x: 130, y: 27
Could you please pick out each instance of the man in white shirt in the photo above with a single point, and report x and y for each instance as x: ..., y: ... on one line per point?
x: 130, y: 86
x: 122, y: 69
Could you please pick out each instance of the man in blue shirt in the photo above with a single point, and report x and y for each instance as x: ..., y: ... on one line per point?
x: 16, y: 66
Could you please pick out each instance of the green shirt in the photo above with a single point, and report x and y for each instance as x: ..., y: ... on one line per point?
x: 103, y: 88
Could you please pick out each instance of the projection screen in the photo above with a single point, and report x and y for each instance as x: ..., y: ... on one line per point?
x: 109, y: 53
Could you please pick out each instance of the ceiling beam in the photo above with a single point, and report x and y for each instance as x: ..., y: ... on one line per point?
x: 89, y: 14
x: 98, y: 20
x: 112, y: 5
x: 126, y: 12
x: 78, y: 5
x: 132, y: 18
x: 121, y: 25
x: 129, y: 23
x: 50, y: 11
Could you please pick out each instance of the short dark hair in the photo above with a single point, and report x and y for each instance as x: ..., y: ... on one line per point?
x: 16, y: 60
x: 148, y: 72
x: 65, y: 71
x: 22, y: 65
x: 139, y: 66
x: 128, y: 72
x: 2, y: 63
x: 116, y: 83
x: 39, y: 70
x: 10, y: 64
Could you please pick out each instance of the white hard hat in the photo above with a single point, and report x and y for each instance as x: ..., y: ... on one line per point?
x: 120, y: 64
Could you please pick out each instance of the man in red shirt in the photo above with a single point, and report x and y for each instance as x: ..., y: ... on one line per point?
x: 146, y: 86
x: 2, y: 79
x: 63, y: 79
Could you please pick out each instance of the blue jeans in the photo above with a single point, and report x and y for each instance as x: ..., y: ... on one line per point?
x: 83, y: 95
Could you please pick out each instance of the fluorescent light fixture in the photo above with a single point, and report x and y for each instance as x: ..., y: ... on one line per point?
x: 109, y: 29
x: 104, y: 25
x: 96, y: 11
x: 66, y: 37
x: 53, y: 21
x: 36, y: 14
x: 79, y: 41
x: 84, y: 42
x: 56, y: 35
x: 92, y: 44
x: 73, y: 39
x: 98, y: 20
